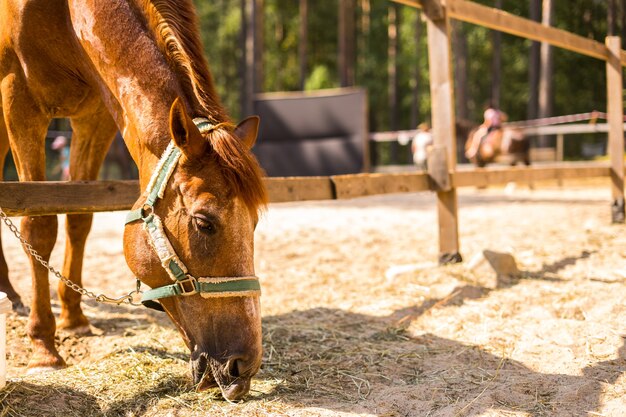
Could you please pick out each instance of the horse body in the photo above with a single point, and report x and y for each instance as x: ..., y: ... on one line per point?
x: 483, y: 146
x: 136, y: 66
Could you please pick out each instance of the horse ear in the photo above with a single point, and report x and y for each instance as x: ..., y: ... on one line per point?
x: 184, y: 132
x: 247, y: 130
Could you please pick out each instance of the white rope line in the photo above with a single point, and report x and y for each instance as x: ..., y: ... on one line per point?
x: 219, y: 280
x: 162, y: 246
x: 168, y: 174
x: 223, y: 294
x: 568, y: 118
x: 392, y: 136
x: 155, y: 174
x: 203, y: 120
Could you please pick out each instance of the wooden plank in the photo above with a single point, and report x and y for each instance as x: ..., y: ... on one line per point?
x: 483, y: 177
x: 615, y: 108
x: 283, y: 189
x: 447, y: 212
x: 52, y: 197
x: 438, y: 168
x: 44, y: 198
x: 559, y: 147
x: 41, y: 198
x: 444, y: 134
x: 468, y: 11
x: 361, y: 185
x: 432, y: 8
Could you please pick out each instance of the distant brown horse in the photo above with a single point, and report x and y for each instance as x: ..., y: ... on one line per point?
x: 137, y: 65
x: 483, y: 146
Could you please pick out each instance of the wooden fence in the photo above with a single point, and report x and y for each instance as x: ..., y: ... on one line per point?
x: 55, y: 197
x: 443, y: 164
x: 43, y: 198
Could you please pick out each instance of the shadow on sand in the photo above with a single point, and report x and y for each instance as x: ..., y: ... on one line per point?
x: 335, y: 359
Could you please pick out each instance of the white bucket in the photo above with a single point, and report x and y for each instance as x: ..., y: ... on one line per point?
x: 5, y: 307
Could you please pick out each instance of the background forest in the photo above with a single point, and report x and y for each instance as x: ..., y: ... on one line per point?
x: 296, y: 45
x: 386, y: 53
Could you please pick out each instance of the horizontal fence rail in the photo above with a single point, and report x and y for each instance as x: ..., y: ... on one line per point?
x: 55, y: 197
x: 470, y: 12
x: 52, y: 197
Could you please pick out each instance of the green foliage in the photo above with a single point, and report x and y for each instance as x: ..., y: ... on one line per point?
x: 280, y: 57
x: 320, y: 78
x: 220, y: 27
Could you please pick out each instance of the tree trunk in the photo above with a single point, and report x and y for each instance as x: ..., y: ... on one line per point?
x: 243, y: 67
x: 392, y: 65
x: 417, y: 76
x: 252, y: 28
x: 611, y: 17
x: 392, y: 74
x: 302, y: 41
x: 346, y: 42
x: 533, y: 65
x: 366, y: 10
x: 460, y: 69
x: 496, y: 63
x: 362, y: 38
x: 623, y: 22
x: 545, y: 80
x: 259, y: 16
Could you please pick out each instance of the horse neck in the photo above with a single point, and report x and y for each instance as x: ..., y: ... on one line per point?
x: 138, y: 87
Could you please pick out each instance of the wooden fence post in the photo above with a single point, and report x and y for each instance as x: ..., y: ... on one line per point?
x: 559, y: 154
x: 252, y: 27
x: 615, y: 108
x: 443, y: 124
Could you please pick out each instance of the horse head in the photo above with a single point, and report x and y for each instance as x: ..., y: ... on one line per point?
x: 190, y: 238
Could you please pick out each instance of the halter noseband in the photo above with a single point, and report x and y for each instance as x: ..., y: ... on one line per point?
x: 184, y: 284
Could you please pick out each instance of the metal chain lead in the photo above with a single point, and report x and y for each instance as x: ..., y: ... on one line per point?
x: 101, y: 298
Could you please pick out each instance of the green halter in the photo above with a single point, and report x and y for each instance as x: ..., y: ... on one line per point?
x: 184, y: 283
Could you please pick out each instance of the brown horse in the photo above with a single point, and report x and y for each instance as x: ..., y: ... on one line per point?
x: 483, y: 146
x: 137, y: 65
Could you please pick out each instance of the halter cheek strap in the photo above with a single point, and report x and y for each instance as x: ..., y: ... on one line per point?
x: 184, y: 283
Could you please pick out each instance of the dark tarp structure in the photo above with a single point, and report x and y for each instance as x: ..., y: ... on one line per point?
x: 313, y: 133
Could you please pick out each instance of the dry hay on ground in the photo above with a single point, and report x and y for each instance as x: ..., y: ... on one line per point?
x: 342, y: 338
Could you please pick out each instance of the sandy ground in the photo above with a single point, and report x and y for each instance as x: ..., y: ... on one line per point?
x: 344, y: 336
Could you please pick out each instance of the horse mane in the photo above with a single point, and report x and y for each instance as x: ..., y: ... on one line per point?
x: 174, y: 25
x: 238, y: 166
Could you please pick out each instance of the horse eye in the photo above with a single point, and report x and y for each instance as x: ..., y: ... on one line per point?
x: 204, y: 224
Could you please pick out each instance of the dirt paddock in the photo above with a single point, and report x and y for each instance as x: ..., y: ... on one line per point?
x: 345, y: 337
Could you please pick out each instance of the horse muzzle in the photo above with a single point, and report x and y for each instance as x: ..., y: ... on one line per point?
x: 232, y: 376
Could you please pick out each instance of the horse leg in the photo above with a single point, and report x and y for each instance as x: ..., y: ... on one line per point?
x: 26, y: 127
x: 90, y: 140
x: 5, y: 284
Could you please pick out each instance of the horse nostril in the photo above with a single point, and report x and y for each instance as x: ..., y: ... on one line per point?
x: 234, y: 368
